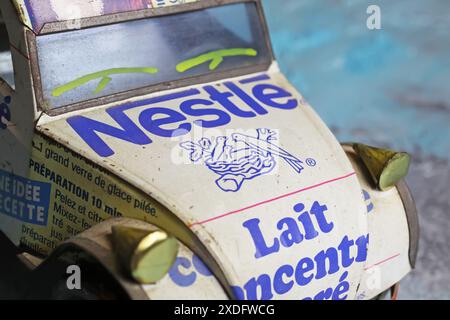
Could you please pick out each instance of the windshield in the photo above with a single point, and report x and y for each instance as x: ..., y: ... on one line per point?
x: 81, y: 65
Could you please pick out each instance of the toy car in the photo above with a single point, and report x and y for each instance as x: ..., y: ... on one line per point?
x: 156, y: 146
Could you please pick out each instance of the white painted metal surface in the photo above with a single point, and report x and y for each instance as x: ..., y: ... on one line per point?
x: 250, y: 168
x: 270, y: 230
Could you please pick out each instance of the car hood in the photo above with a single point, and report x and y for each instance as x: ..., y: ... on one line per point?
x: 230, y: 159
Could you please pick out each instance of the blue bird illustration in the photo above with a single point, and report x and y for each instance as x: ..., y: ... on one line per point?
x: 240, y: 157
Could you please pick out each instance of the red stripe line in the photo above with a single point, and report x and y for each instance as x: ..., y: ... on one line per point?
x: 274, y: 199
x: 381, y: 262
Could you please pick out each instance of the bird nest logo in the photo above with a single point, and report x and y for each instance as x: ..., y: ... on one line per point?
x: 240, y: 157
x: 5, y: 113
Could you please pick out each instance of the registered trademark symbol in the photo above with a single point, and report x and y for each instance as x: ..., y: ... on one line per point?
x: 311, y: 162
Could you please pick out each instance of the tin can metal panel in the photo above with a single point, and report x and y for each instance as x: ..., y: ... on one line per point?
x: 266, y: 187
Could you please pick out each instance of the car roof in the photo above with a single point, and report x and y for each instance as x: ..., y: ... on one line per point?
x: 34, y: 14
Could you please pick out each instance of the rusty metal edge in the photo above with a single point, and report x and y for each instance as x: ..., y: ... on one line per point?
x: 409, y: 205
x: 35, y: 70
x: 413, y: 220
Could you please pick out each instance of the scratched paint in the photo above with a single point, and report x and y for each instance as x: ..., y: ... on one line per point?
x: 386, y: 87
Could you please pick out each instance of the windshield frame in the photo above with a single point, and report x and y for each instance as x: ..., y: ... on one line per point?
x: 63, y: 26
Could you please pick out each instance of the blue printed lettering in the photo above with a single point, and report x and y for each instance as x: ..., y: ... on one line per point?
x: 331, y: 255
x: 88, y: 130
x: 306, y: 270
x: 179, y: 278
x: 200, y: 266
x: 263, y: 282
x: 342, y: 288
x: 362, y: 244
x: 262, y: 249
x: 267, y: 93
x: 324, y: 294
x: 304, y: 266
x: 223, y: 118
x: 238, y: 292
x: 325, y: 263
x: 319, y: 211
x: 23, y: 199
x: 223, y: 98
x: 344, y: 248
x: 292, y: 234
x: 279, y: 285
x: 152, y: 125
x: 168, y: 122
x: 246, y: 98
x: 305, y: 219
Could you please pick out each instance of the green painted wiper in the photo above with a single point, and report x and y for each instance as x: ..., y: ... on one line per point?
x: 216, y: 58
x: 103, y: 75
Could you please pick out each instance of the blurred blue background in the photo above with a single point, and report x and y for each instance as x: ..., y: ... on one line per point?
x: 388, y: 87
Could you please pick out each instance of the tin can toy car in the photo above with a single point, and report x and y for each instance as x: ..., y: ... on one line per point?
x: 157, y: 145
